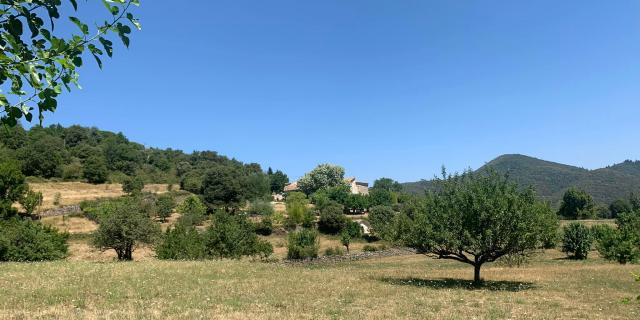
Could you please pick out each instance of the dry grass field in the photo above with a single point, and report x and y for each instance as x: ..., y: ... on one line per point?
x: 76, y: 192
x: 411, y: 287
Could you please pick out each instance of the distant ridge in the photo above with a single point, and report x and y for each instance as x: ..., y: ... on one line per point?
x: 551, y: 179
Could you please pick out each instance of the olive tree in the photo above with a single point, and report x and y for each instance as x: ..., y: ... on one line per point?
x: 479, y: 218
x: 37, y: 60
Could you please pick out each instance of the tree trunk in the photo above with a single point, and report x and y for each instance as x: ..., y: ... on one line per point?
x: 476, y: 274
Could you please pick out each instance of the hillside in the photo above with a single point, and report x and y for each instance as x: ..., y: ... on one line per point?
x: 551, y: 179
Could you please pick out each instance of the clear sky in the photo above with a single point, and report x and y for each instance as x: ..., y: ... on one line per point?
x: 393, y: 88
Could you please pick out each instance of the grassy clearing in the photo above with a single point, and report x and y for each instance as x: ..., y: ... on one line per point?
x: 397, y: 287
x: 75, y: 192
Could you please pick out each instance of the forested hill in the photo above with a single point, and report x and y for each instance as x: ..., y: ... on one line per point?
x: 552, y: 179
x: 88, y: 154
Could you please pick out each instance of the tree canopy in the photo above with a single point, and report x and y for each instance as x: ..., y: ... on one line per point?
x: 478, y: 218
x: 323, y: 176
x: 38, y: 60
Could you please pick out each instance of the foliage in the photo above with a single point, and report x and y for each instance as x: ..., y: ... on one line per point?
x: 30, y: 201
x: 387, y: 184
x: 232, y: 236
x: 95, y: 170
x: 619, y: 206
x: 577, y: 204
x: 265, y: 226
x: 369, y: 248
x: 332, y: 220
x: 222, y: 187
x: 133, y: 186
x: 381, y: 219
x: 38, y: 61
x: 577, y: 240
x: 622, y: 244
x: 303, y: 244
x: 182, y: 242
x: 297, y: 203
x: 356, y: 203
x: 260, y: 208
x: 42, y: 157
x: 193, y: 211
x: 345, y: 239
x: 353, y: 229
x: 124, y: 225
x: 323, y: 176
x: 164, y: 206
x: 381, y: 197
x: 277, y: 181
x: 601, y: 231
x: 26, y: 240
x: 478, y: 218
x: 333, y: 251
x: 12, y: 187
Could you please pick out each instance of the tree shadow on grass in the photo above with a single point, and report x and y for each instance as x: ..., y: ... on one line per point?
x: 450, y: 283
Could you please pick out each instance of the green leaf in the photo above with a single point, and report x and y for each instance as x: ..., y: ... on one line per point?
x: 74, y: 4
x: 83, y: 27
x: 134, y: 21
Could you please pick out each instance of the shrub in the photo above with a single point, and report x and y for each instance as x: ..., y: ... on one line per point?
x: 57, y: 198
x: 232, y: 236
x: 332, y: 220
x: 601, y: 231
x: 617, y: 246
x: 95, y: 170
x: 260, y: 208
x: 124, y: 225
x: 182, y: 243
x: 26, y: 240
x: 302, y: 244
x: 297, y: 206
x: 30, y: 201
x: 369, y: 248
x: 335, y: 251
x: 353, y: 229
x: 345, y: 239
x: 133, y: 186
x: 308, y: 220
x: 577, y: 240
x: 193, y: 211
x: 264, y: 227
x: 164, y: 206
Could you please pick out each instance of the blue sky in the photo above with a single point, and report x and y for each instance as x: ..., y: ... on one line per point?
x: 383, y: 88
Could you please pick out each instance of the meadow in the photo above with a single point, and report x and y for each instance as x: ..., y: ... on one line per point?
x: 411, y: 286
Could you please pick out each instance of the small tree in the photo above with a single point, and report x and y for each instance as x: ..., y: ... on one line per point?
x: 30, y: 201
x: 182, y: 243
x: 577, y: 240
x: 302, y: 244
x: 133, y: 186
x: 12, y: 187
x: 332, y: 220
x: 123, y: 227
x: 619, y: 206
x: 477, y: 218
x: 577, y: 204
x: 297, y: 203
x: 277, y: 181
x: 95, y: 169
x: 193, y: 211
x: 345, y: 239
x: 232, y: 236
x: 164, y: 206
x: 381, y: 220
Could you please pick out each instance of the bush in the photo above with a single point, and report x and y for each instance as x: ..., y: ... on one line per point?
x: 232, y: 236
x: 133, y: 186
x: 332, y: 220
x: 182, y: 243
x: 264, y: 227
x: 57, y: 198
x: 381, y: 219
x: 353, y: 229
x: 335, y: 251
x: 193, y: 211
x: 26, y: 240
x: 302, y: 244
x: 95, y: 170
x: 297, y: 206
x: 576, y: 241
x: 369, y: 248
x: 617, y: 246
x: 260, y: 208
x: 30, y: 201
x: 123, y: 225
x: 164, y: 206
x: 601, y: 231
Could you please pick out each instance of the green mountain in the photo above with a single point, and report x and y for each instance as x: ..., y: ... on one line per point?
x: 551, y: 179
